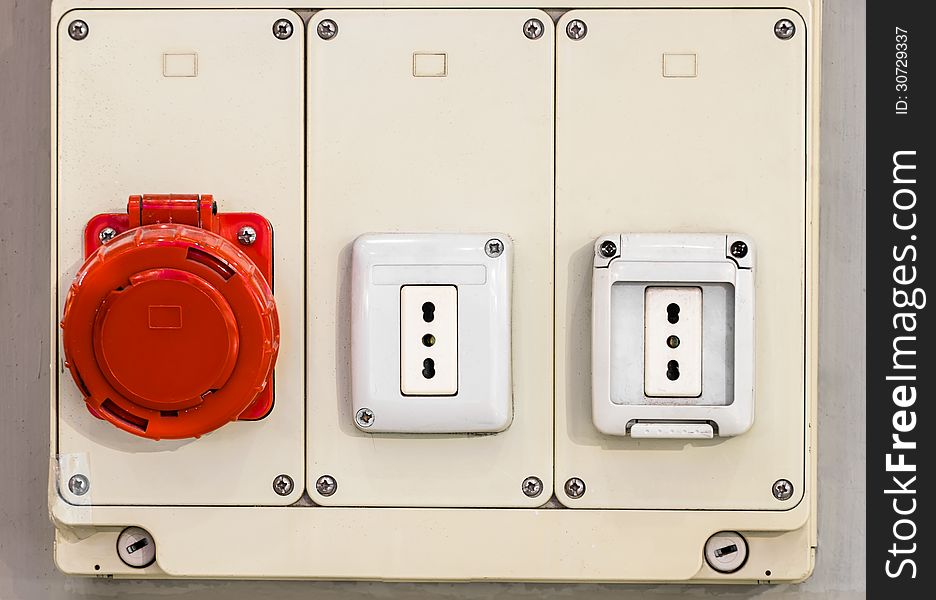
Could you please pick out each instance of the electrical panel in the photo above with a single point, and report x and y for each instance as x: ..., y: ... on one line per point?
x: 439, y: 284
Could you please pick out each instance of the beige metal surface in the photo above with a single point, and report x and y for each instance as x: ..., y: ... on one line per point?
x: 124, y: 128
x: 468, y: 152
x: 448, y: 544
x: 438, y: 544
x: 724, y: 151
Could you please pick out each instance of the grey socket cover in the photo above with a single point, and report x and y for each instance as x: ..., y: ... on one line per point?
x: 726, y: 405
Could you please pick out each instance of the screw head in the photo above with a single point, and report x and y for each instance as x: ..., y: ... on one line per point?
x: 79, y: 484
x: 574, y: 487
x: 282, y: 29
x: 283, y: 485
x: 78, y: 30
x: 533, y: 29
x: 494, y: 247
x: 326, y: 485
x: 327, y: 29
x: 607, y: 249
x: 784, y: 29
x: 247, y: 235
x: 532, y: 487
x: 576, y: 29
x: 364, y: 418
x: 782, y: 489
x: 739, y: 249
x: 107, y: 234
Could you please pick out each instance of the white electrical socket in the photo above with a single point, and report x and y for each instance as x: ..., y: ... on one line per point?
x: 673, y: 342
x: 429, y: 340
x: 635, y: 278
x: 444, y: 373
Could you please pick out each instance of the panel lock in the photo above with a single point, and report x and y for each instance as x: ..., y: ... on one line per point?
x: 170, y: 329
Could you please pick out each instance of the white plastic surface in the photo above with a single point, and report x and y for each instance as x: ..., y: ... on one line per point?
x: 676, y: 431
x: 392, y: 276
x: 672, y: 341
x: 429, y: 340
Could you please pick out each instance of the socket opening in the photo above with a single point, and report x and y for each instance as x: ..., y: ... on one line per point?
x: 672, y: 313
x: 672, y: 370
x: 428, y: 309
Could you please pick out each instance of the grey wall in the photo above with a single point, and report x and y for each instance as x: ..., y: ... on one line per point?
x: 26, y: 568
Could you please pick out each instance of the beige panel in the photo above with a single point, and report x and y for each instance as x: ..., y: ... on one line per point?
x: 234, y: 130
x: 468, y: 152
x: 548, y: 544
x: 723, y: 151
x: 447, y: 544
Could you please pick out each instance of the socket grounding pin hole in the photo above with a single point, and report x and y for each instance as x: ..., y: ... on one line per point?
x: 428, y: 309
x: 673, y: 342
x: 672, y: 313
x: 672, y: 370
x: 428, y: 368
x: 428, y: 340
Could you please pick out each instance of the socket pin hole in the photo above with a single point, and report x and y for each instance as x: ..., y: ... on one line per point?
x: 428, y: 340
x: 672, y: 373
x: 428, y: 368
x: 428, y: 309
x: 672, y: 341
x: 672, y: 313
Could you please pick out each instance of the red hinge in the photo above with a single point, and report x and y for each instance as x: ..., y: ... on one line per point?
x: 185, y: 209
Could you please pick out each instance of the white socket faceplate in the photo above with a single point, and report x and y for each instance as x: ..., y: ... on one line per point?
x: 622, y: 275
x: 387, y: 267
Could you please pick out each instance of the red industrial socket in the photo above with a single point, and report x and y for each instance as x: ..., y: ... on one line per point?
x: 170, y: 329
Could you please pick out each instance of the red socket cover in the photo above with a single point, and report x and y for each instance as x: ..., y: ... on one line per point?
x: 170, y: 329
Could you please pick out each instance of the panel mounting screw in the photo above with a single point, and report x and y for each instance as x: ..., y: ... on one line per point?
x: 576, y: 29
x: 78, y: 30
x: 107, y: 234
x: 532, y: 487
x: 247, y: 235
x: 574, y: 487
x: 607, y: 249
x: 739, y: 249
x: 79, y: 485
x: 326, y: 485
x: 494, y: 248
x: 533, y: 29
x: 283, y: 485
x: 327, y: 29
x: 282, y: 29
x: 364, y: 417
x: 784, y: 29
x: 782, y: 489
